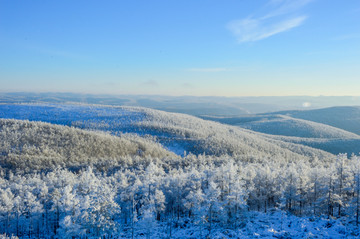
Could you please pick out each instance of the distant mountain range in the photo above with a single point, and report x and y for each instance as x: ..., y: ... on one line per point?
x: 193, y: 105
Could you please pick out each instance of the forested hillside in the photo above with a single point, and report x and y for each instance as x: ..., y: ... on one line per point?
x: 26, y: 145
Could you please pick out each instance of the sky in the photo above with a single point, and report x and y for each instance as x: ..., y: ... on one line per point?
x: 162, y: 47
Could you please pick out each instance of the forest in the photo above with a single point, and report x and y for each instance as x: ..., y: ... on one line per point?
x: 156, y: 198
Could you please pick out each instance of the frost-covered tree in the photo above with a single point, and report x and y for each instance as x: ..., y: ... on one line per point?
x: 6, y: 208
x: 212, y: 204
x: 290, y: 193
x: 355, y: 203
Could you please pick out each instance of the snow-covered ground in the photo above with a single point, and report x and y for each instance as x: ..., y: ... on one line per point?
x: 275, y: 224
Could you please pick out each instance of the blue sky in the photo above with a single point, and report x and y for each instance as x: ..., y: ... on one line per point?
x: 213, y: 48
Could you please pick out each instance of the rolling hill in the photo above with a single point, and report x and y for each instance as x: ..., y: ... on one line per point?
x: 332, y: 145
x: 178, y: 133
x: 334, y: 130
x: 342, y: 117
x: 288, y: 126
x: 38, y: 145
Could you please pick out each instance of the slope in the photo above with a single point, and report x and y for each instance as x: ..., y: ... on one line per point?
x: 37, y: 145
x: 332, y: 145
x: 344, y: 117
x: 288, y: 126
x: 281, y: 126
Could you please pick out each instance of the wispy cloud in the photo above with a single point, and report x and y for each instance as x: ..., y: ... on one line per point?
x: 280, y: 17
x: 207, y: 69
x: 248, y: 30
x: 49, y: 51
x: 284, y: 7
x: 64, y: 54
x: 57, y: 53
x: 187, y: 85
x: 151, y: 83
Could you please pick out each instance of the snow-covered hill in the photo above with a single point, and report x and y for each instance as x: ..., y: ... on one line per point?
x: 343, y: 117
x: 176, y: 132
x: 38, y: 145
x: 284, y: 126
x: 288, y: 126
x: 331, y: 145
